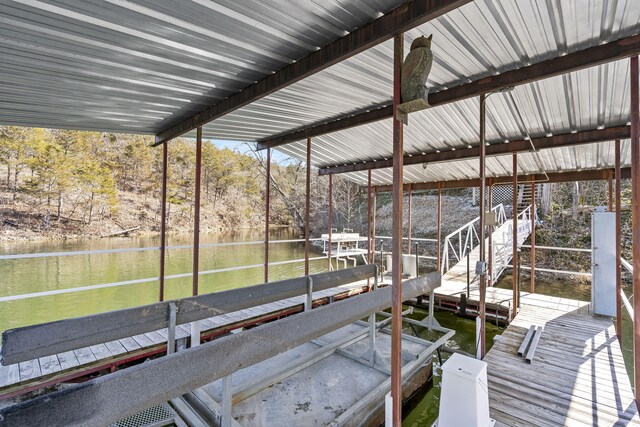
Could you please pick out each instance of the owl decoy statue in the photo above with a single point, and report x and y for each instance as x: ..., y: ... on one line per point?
x: 415, y: 70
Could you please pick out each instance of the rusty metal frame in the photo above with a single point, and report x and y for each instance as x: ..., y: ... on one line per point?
x: 307, y: 243
x: 618, y: 245
x: 108, y: 399
x: 403, y: 18
x: 635, y: 212
x: 267, y: 210
x: 163, y: 220
x: 396, y: 243
x: 589, y: 57
x: 514, y: 258
x: 496, y: 149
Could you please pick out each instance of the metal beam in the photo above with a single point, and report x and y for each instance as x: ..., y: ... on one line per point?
x: 396, y: 233
x: 584, y: 175
x: 589, y: 57
x: 196, y: 216
x: 31, y: 342
x: 495, y: 149
x: 403, y: 18
x: 110, y: 398
x: 330, y: 224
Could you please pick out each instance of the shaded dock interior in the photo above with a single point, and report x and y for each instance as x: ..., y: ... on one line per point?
x: 521, y: 93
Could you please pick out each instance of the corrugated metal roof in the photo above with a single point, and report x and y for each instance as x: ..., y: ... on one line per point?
x: 134, y: 65
x: 124, y: 65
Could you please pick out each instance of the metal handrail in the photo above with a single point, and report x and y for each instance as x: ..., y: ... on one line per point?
x: 145, y: 280
x: 144, y: 249
x: 469, y: 231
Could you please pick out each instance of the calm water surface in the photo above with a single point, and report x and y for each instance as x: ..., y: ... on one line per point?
x: 43, y: 274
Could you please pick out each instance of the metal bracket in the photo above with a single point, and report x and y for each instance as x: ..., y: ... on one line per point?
x: 406, y: 108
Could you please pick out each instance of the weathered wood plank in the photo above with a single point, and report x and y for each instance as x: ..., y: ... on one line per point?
x: 67, y: 360
x: 100, y: 351
x: 84, y: 355
x: 9, y: 375
x: 115, y: 348
x: 525, y: 341
x: 49, y: 365
x: 29, y: 369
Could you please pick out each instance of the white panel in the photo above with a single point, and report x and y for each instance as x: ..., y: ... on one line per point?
x: 603, y: 263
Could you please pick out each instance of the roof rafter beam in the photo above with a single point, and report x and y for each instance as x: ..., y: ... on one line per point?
x: 585, y: 58
x: 584, y: 175
x: 497, y: 149
x: 403, y: 18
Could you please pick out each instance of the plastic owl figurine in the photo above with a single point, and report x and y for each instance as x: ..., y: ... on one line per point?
x: 415, y: 70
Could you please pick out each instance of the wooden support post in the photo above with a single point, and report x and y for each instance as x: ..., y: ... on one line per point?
x: 490, y: 235
x: 266, y: 217
x: 635, y: 215
x: 396, y: 237
x: 307, y: 243
x: 163, y: 218
x: 618, y: 247
x: 514, y: 258
x: 533, y: 237
x: 330, y: 221
x: 481, y: 341
x: 409, y: 220
x: 439, y: 219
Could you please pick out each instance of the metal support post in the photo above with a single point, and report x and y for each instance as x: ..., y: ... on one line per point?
x: 308, y: 302
x: 618, y: 247
x: 533, y: 237
x: 490, y: 232
x: 514, y: 257
x: 227, y: 401
x: 409, y: 220
x: 610, y: 198
x: 481, y: 231
x: 369, y: 236
x: 329, y: 267
x: 266, y: 217
x: 439, y: 254
x: 635, y: 212
x: 307, y: 243
x: 171, y: 330
x: 163, y: 217
x: 195, y: 326
x: 396, y: 250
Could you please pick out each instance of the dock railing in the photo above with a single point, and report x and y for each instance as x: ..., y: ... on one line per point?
x: 463, y: 240
x: 146, y: 279
x: 627, y: 301
x: 129, y: 391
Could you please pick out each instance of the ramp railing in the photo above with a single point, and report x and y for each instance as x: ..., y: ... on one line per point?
x: 463, y: 240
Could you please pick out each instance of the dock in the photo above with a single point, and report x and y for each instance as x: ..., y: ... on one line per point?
x: 576, y: 377
x: 36, y: 374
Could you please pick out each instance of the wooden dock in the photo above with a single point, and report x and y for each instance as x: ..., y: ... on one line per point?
x: 47, y: 371
x: 577, y: 376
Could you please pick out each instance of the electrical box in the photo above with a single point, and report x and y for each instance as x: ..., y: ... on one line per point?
x: 464, y: 400
x: 481, y: 267
x: 490, y: 218
x: 603, y: 262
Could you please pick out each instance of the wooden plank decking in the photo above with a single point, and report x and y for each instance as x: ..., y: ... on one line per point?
x: 576, y: 378
x: 50, y: 370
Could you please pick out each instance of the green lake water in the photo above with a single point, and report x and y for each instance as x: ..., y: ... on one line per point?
x: 23, y: 276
